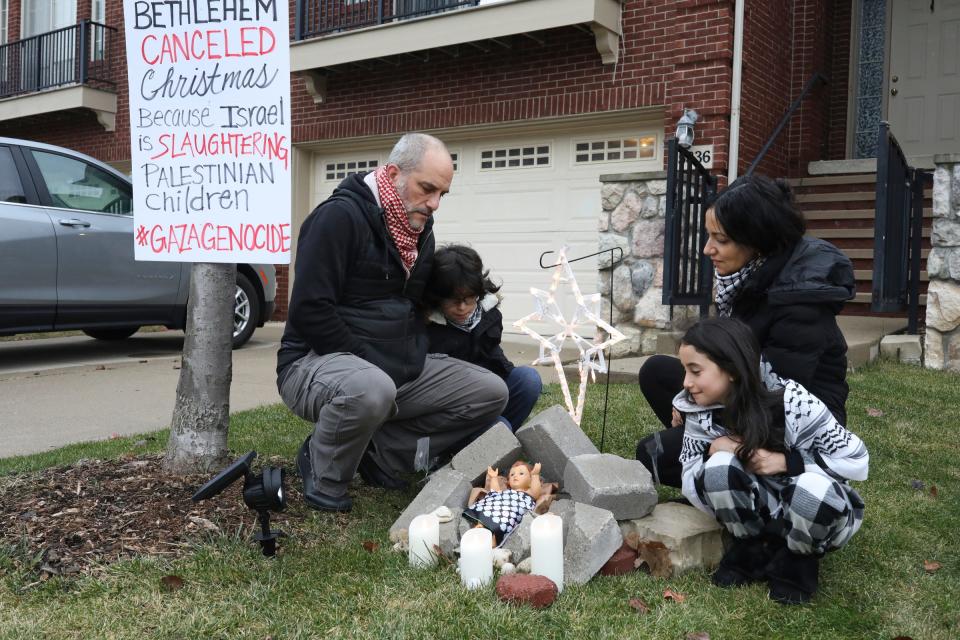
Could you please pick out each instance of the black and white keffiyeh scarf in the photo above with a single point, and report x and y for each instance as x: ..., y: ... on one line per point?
x: 470, y: 322
x: 729, y: 286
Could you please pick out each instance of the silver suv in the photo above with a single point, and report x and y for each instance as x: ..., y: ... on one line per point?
x: 66, y: 254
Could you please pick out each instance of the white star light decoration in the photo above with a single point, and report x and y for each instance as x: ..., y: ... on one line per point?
x: 587, y: 313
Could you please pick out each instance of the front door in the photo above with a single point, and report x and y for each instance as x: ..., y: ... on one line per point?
x: 924, y: 83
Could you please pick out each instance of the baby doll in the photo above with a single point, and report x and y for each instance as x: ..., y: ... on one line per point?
x: 502, y: 509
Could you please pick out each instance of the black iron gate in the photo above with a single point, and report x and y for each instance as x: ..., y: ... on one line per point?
x: 898, y: 228
x: 687, y: 273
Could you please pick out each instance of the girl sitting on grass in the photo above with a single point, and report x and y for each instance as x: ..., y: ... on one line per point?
x: 767, y: 459
x: 465, y: 323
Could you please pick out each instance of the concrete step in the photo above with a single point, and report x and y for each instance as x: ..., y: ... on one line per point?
x: 817, y: 181
x: 828, y: 234
x: 851, y: 214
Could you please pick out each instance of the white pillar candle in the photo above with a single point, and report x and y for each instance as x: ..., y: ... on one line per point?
x: 476, y: 558
x: 424, y: 535
x: 546, y: 548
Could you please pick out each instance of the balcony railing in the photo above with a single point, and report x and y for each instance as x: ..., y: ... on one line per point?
x: 79, y: 54
x: 318, y: 17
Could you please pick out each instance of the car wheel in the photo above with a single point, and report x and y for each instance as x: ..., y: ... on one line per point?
x: 246, y: 311
x: 111, y: 334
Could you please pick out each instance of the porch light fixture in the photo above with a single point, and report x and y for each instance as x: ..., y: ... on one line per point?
x: 685, y: 128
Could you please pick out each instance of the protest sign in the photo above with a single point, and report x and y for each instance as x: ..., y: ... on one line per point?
x: 210, y: 129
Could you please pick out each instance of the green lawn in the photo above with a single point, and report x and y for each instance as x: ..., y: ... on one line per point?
x: 326, y: 585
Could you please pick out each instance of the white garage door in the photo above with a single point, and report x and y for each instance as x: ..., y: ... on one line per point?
x: 515, y: 197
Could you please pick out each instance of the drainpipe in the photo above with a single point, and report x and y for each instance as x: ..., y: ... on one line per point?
x: 735, y: 92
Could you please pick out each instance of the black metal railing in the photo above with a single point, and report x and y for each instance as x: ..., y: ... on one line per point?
x: 687, y: 273
x: 814, y: 79
x: 79, y: 54
x: 898, y: 230
x: 317, y: 17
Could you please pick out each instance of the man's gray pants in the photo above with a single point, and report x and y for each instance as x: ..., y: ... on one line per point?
x: 354, y: 403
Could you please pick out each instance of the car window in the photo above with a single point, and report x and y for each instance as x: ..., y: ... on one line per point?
x: 75, y: 184
x: 11, y: 189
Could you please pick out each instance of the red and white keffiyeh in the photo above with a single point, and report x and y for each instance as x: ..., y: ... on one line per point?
x: 404, y: 236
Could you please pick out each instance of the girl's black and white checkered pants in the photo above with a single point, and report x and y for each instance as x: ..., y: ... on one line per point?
x: 815, y: 513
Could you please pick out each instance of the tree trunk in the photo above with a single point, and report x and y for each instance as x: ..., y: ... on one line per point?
x: 201, y: 417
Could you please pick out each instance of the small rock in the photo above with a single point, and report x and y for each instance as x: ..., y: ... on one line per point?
x: 507, y: 568
x: 525, y: 565
x: 537, y: 591
x: 918, y: 485
x: 444, y: 514
x: 501, y: 557
x: 621, y: 562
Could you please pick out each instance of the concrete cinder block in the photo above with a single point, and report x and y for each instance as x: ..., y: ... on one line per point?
x: 551, y: 438
x: 621, y: 486
x: 450, y: 534
x: 693, y: 538
x: 446, y: 488
x: 497, y: 448
x: 903, y: 348
x: 592, y: 538
x: 518, y: 542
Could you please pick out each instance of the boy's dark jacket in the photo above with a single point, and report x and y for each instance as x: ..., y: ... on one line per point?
x: 350, y: 293
x: 481, y: 346
x: 791, y: 303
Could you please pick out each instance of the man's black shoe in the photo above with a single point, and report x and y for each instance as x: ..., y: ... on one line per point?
x: 373, y: 475
x: 304, y: 467
x: 323, y: 502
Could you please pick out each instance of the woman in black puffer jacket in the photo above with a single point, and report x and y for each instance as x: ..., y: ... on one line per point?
x: 786, y: 287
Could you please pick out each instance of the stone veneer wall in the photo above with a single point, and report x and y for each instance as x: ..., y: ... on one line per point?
x: 633, y: 216
x: 942, y: 342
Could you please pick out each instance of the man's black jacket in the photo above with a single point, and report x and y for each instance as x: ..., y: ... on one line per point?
x: 350, y: 293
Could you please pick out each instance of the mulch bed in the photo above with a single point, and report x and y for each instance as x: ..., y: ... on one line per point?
x: 77, y: 519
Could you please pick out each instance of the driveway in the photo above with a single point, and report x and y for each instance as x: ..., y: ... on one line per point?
x: 58, y: 391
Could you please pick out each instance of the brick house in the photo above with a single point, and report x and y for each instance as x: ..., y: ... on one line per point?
x: 538, y: 99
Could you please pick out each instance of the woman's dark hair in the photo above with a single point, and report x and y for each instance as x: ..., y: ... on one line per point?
x: 759, y: 213
x: 457, y: 271
x: 748, y: 410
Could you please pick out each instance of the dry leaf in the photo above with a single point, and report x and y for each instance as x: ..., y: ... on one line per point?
x: 639, y: 605
x: 934, y: 491
x: 370, y: 546
x: 931, y: 567
x: 656, y: 556
x: 874, y: 413
x: 698, y: 635
x: 670, y: 594
x: 171, y: 583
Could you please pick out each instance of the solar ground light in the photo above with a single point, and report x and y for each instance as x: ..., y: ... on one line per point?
x: 263, y: 493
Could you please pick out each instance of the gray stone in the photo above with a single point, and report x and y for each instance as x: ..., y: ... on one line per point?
x: 941, y: 192
x: 933, y: 349
x: 650, y: 310
x: 946, y: 233
x: 603, y: 221
x: 657, y: 187
x: 955, y: 191
x: 647, y: 238
x: 446, y: 487
x: 450, y: 534
x: 651, y: 207
x: 497, y: 448
x: 631, y: 345
x: 603, y: 282
x: 609, y: 241
x: 937, y: 265
x: 623, y: 487
x: 943, y: 305
x: 623, y: 288
x: 518, y: 542
x: 551, y: 438
x: 641, y: 277
x: 693, y: 538
x: 626, y: 212
x: 611, y: 193
x: 592, y: 537
x: 903, y: 348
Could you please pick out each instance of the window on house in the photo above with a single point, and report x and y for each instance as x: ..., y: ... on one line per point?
x: 98, y: 45
x: 455, y: 156
x: 522, y: 157
x: 4, y: 14
x: 344, y: 168
x: 615, y: 150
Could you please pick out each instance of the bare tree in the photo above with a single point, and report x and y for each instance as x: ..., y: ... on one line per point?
x: 201, y: 417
